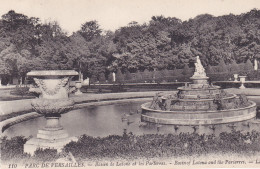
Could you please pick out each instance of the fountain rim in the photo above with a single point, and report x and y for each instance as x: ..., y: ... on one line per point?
x: 200, y: 100
x: 51, y: 73
x: 199, y: 77
x: 198, y: 89
x: 143, y: 106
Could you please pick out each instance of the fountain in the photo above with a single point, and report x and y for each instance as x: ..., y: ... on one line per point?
x: 54, y: 101
x: 198, y: 103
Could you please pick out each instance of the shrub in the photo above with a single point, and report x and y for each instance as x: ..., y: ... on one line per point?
x: 222, y: 67
x: 234, y: 67
x: 138, y: 76
x: 186, y: 70
x: 46, y: 155
x: 128, y: 76
x: 102, y: 77
x: 12, y: 149
x: 129, y: 146
x: 210, y: 70
x: 21, y: 91
x: 146, y: 75
x: 156, y: 75
x: 156, y: 145
x: 119, y: 76
x: 93, y: 79
x: 248, y: 66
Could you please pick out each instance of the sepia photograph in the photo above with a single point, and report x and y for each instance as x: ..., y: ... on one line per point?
x: 160, y: 84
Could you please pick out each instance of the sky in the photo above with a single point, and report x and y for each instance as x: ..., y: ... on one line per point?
x: 113, y: 14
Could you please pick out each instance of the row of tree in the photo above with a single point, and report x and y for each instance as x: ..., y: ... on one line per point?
x: 163, y: 43
x: 219, y: 72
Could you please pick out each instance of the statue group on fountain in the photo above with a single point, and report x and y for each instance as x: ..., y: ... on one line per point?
x: 199, y: 69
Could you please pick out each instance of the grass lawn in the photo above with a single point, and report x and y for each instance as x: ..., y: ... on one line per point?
x: 5, y: 95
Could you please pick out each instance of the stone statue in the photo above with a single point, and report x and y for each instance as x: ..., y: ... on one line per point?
x: 199, y: 69
x: 156, y: 101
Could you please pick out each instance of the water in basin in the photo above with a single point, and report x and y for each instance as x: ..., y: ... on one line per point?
x: 100, y: 121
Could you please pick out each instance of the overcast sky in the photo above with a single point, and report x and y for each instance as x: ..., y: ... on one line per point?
x: 112, y: 14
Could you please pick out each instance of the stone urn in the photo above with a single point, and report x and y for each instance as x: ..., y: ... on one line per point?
x: 54, y: 86
x: 235, y: 77
x: 242, y: 80
x: 78, y: 86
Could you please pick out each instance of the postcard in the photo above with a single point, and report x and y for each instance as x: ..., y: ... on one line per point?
x: 129, y: 84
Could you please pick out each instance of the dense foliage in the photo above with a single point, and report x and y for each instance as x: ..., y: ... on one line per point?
x: 13, y: 148
x: 163, y: 43
x: 129, y: 146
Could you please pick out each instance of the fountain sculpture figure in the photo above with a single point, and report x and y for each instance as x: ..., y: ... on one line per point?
x: 199, y: 69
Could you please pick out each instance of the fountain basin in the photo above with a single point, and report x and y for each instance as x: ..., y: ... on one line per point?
x: 198, y: 103
x: 193, y: 117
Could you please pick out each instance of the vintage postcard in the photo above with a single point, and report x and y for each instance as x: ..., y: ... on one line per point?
x: 129, y: 84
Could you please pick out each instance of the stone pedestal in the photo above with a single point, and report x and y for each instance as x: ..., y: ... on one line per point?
x: 242, y: 80
x: 199, y: 82
x: 235, y: 77
x: 52, y: 136
x: 35, y: 143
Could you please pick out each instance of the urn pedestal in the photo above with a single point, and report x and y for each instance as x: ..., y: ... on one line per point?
x: 78, y: 86
x: 242, y: 80
x: 54, y: 86
x: 235, y: 77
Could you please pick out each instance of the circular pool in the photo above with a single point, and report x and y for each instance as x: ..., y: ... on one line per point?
x: 100, y: 121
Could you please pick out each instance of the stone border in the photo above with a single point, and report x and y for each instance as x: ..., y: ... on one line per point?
x: 16, y: 106
x: 200, y: 100
x: 18, y: 119
x: 52, y: 73
x: 198, y: 117
x: 198, y: 89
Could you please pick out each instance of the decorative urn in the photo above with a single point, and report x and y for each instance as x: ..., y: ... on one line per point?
x: 54, y: 101
x: 78, y: 86
x: 235, y: 77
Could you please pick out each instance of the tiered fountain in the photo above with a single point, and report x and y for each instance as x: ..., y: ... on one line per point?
x: 198, y: 103
x: 54, y: 87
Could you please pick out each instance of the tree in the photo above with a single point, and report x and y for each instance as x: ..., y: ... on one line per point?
x: 210, y: 70
x: 186, y: 70
x: 138, y: 76
x: 128, y: 76
x: 234, y: 67
x: 93, y: 79
x: 146, y: 75
x: 21, y: 29
x: 119, y: 76
x: 248, y: 66
x: 222, y: 67
x: 77, y: 51
x: 102, y: 78
x: 90, y: 30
